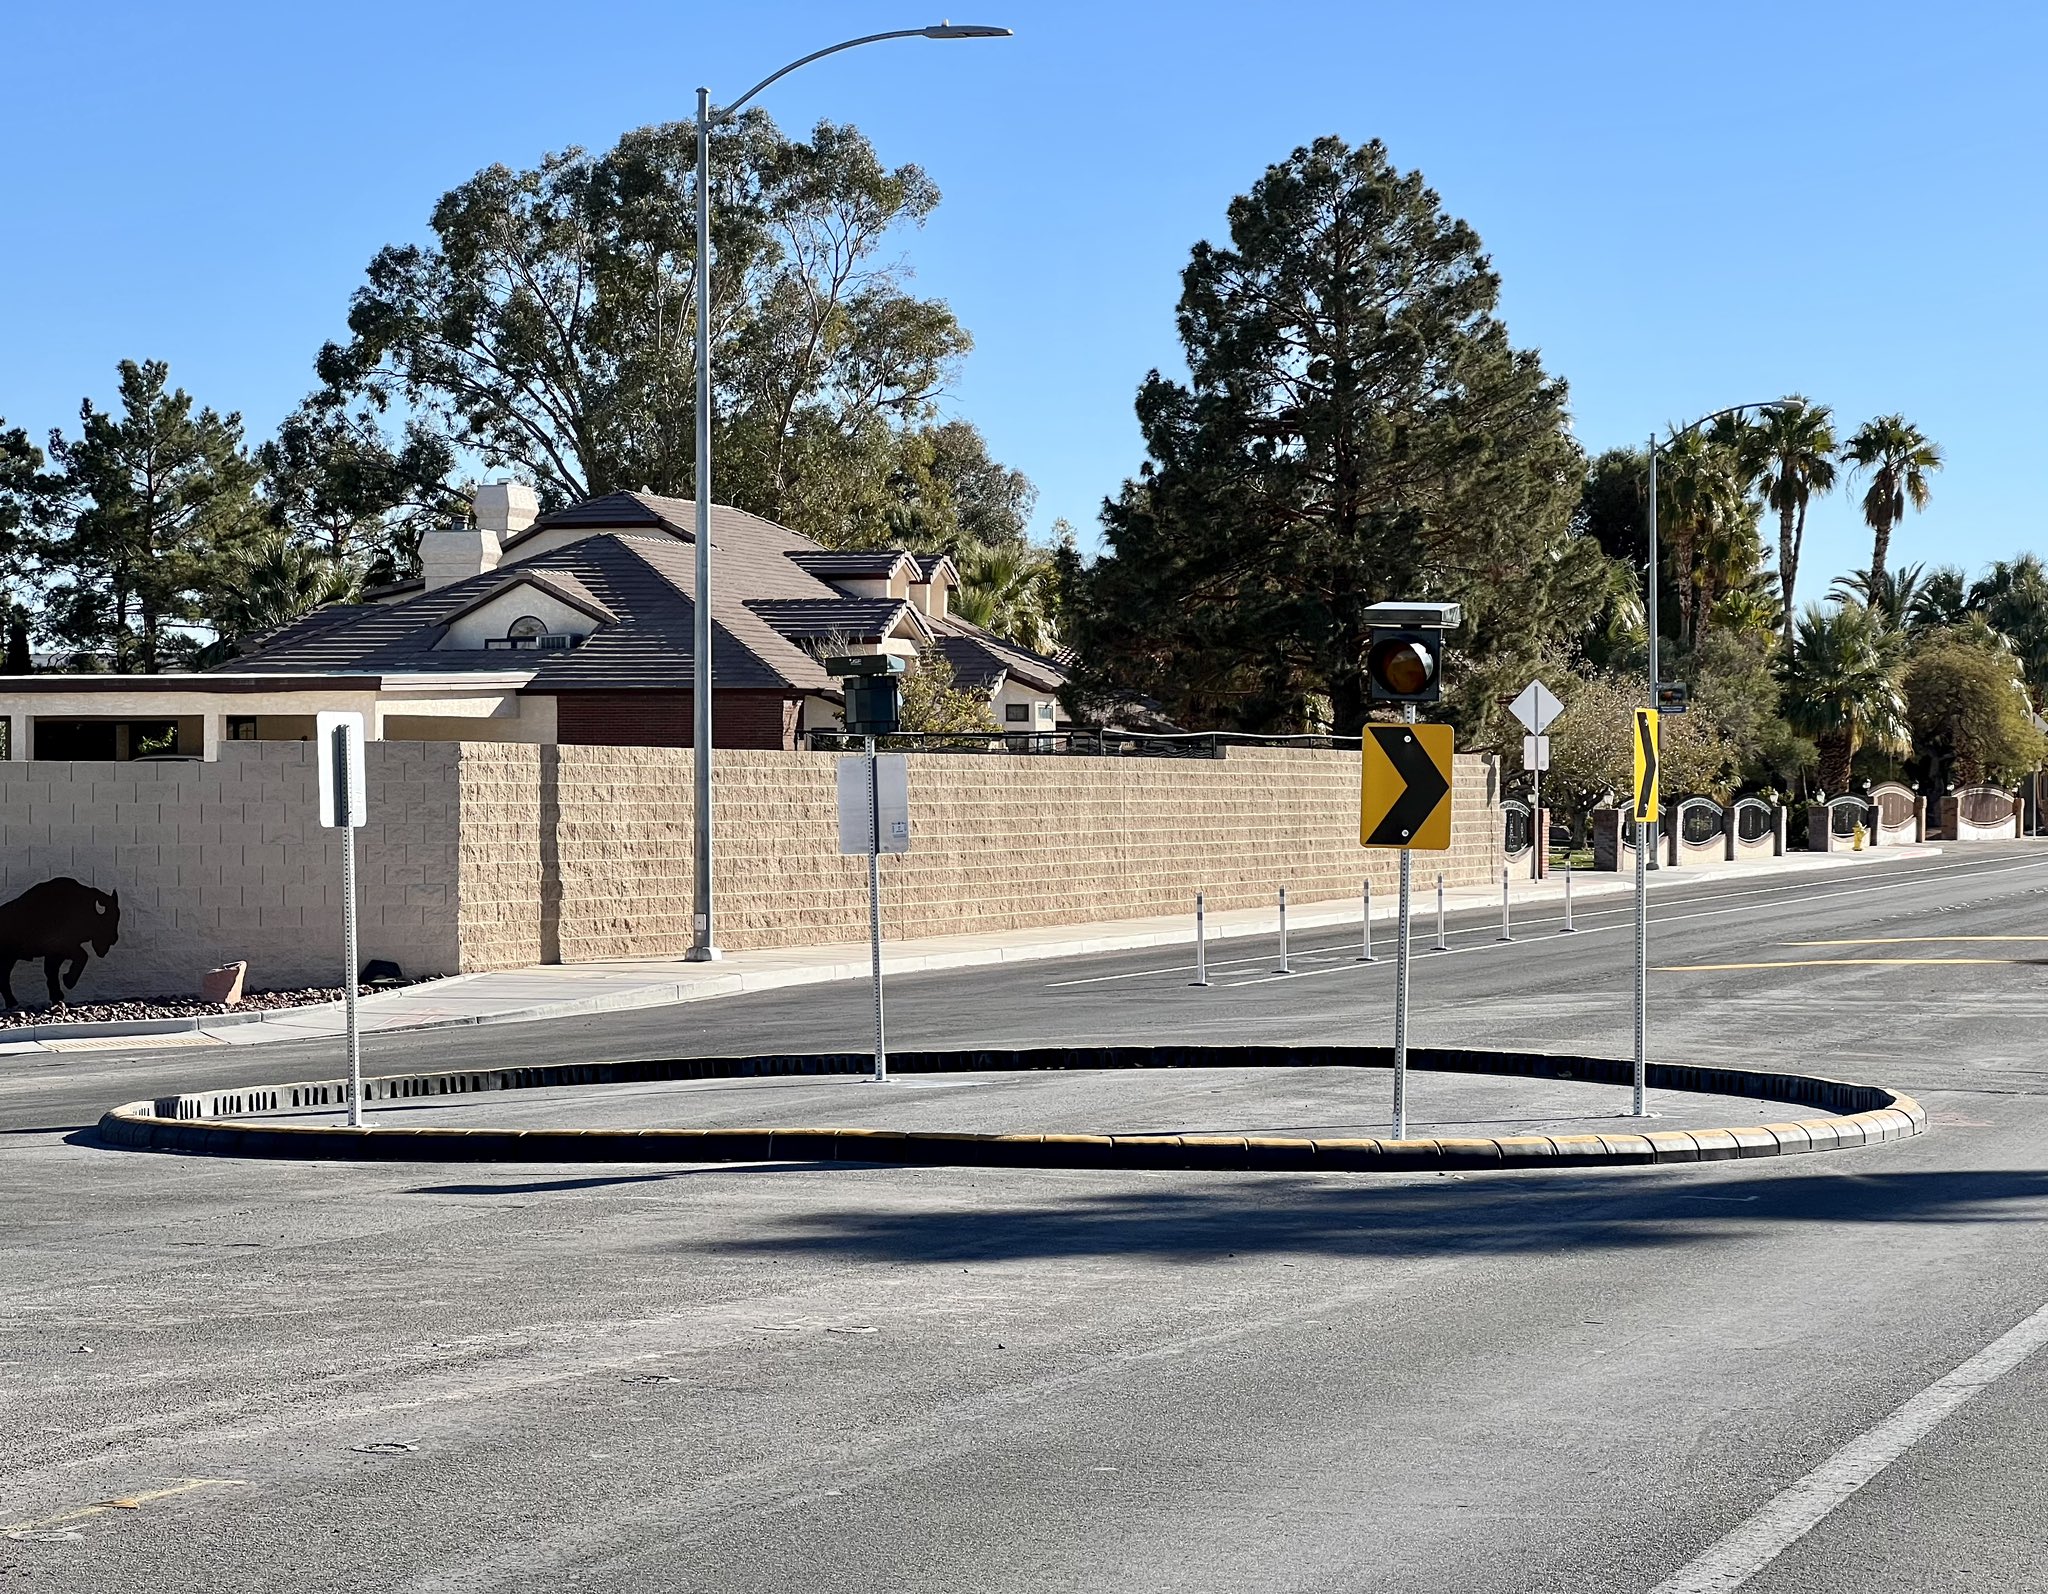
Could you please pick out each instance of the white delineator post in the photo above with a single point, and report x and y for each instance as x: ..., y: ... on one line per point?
x: 1201, y: 948
x: 875, y: 909
x: 1505, y: 933
x: 1283, y: 969
x: 1365, y: 927
x: 1569, y: 928
x: 1442, y: 944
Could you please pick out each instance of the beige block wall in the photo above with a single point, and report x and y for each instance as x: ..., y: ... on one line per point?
x: 998, y: 843
x: 225, y: 861
x: 483, y: 855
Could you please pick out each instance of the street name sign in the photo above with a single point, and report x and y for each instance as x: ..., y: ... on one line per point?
x: 1536, y: 754
x: 1405, y: 787
x: 1536, y: 708
x: 1646, y: 746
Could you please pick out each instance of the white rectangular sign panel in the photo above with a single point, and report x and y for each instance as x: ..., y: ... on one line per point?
x: 324, y: 725
x: 1536, y: 708
x: 892, y: 792
x: 1536, y: 752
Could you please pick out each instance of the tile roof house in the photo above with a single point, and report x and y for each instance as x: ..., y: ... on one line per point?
x: 575, y: 627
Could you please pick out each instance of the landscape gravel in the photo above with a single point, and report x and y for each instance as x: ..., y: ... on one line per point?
x: 184, y: 1006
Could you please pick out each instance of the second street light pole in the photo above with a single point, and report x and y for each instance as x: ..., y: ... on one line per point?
x: 703, y: 940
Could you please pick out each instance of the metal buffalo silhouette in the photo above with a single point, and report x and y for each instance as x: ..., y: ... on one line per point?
x: 56, y: 921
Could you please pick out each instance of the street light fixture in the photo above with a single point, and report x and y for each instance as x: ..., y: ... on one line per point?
x: 703, y: 944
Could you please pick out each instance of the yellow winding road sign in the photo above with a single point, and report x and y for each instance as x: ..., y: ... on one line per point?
x: 1405, y: 794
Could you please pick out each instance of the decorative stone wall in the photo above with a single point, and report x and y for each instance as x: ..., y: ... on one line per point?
x: 485, y: 855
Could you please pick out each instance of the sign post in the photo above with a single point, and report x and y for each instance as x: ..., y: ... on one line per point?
x: 874, y: 818
x: 1536, y: 708
x: 338, y: 745
x: 1644, y: 813
x: 1406, y: 803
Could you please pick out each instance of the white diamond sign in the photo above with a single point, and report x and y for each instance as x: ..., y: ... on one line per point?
x: 1536, y: 708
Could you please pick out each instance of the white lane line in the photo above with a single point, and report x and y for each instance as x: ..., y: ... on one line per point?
x: 1739, y: 1555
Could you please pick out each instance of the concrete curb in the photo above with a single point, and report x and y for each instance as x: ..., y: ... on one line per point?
x: 114, y: 1029
x: 219, y: 1123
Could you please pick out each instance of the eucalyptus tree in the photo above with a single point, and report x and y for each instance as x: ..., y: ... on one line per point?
x: 547, y: 329
x: 1841, y: 688
x: 1796, y: 441
x: 1898, y: 459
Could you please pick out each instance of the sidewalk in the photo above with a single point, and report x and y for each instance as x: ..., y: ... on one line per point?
x: 564, y: 990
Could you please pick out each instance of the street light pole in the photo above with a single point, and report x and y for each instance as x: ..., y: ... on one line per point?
x: 1646, y: 830
x: 703, y: 941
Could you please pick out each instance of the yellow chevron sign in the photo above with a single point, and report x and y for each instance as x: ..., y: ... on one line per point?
x: 1405, y: 794
x: 1646, y: 743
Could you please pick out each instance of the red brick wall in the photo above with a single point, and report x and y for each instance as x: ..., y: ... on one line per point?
x: 664, y: 719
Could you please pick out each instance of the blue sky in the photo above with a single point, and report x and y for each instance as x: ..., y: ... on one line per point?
x: 1690, y: 206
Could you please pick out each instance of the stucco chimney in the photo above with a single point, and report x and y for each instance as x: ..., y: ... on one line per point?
x: 458, y: 553
x: 506, y: 508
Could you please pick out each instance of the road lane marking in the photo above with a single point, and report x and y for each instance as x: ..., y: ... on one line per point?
x: 1740, y: 1554
x: 125, y: 1502
x: 1911, y: 940
x: 1825, y: 963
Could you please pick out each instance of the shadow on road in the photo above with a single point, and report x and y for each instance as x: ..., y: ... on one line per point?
x: 1476, y: 1215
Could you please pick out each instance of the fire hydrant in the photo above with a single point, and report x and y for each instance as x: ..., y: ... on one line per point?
x: 1857, y: 846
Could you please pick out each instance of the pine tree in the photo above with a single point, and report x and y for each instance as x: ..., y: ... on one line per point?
x: 1357, y: 427
x: 157, y: 498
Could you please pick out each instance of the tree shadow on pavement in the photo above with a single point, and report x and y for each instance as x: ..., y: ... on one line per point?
x: 1318, y: 1218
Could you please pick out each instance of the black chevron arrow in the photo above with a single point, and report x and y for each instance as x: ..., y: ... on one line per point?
x: 1649, y: 781
x: 1425, y: 783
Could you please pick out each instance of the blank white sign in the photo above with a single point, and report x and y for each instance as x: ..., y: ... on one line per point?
x: 892, y: 803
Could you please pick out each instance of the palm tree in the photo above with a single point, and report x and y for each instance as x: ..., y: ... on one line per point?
x: 1943, y: 600
x: 1842, y: 689
x: 1899, y: 459
x: 1704, y: 491
x: 1009, y: 591
x: 1797, y: 439
x: 277, y: 580
x: 1890, y: 599
x: 2013, y: 597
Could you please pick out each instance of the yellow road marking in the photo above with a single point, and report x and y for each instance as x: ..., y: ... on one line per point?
x: 1912, y: 940
x: 1823, y: 963
x: 125, y: 1502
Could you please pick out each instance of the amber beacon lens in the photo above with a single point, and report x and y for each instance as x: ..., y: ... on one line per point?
x: 1402, y: 667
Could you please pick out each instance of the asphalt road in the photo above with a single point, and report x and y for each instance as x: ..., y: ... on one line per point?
x: 794, y: 1378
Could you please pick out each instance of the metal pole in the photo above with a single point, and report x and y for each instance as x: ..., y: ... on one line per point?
x: 1365, y: 928
x: 1283, y: 969
x: 1201, y: 945
x: 875, y: 910
x: 1442, y: 945
x: 1569, y: 927
x: 1642, y: 971
x: 344, y: 808
x: 703, y: 944
x: 1506, y: 934
x: 1650, y: 614
x: 1401, y: 983
x: 1542, y: 847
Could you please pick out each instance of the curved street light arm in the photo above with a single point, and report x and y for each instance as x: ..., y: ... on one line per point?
x: 725, y: 113
x: 1708, y: 420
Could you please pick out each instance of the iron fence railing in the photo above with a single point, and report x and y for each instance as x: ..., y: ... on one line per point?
x: 1087, y: 744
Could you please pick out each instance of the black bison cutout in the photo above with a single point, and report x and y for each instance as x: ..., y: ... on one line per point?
x: 56, y: 921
